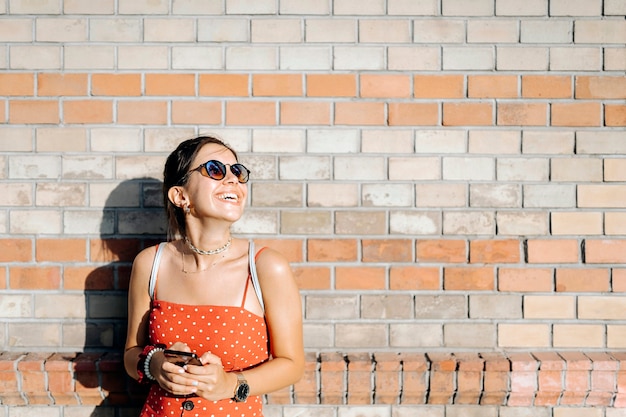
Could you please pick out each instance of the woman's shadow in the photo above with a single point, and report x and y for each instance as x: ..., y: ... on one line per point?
x: 132, y: 219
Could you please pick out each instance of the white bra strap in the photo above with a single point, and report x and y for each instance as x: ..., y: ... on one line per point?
x: 254, y: 276
x: 155, y: 269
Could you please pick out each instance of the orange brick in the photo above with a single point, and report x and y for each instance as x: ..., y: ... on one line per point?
x: 331, y: 85
x: 467, y: 114
x: 113, y: 250
x: 61, y: 250
x: 359, y: 378
x: 197, y: 112
x: 385, y: 86
x: 576, y: 114
x: 618, y: 280
x: 614, y: 115
x: 333, y: 368
x: 304, y: 113
x: 124, y: 85
x: 438, y: 86
x: 3, y: 279
x: 142, y: 112
x: 273, y: 85
x: 312, y: 278
x: 170, y: 85
x: 33, y: 111
x: 223, y: 85
x: 522, y: 114
x: 62, y: 84
x: 468, y: 279
x: 16, y: 250
x: 492, y: 86
x: 605, y: 251
x: 413, y: 114
x: 88, y: 111
x: 525, y: 279
x: 34, y: 278
x: 355, y: 278
x: 387, y: 250
x: 546, y: 86
x: 439, y: 250
x: 494, y: 251
x: 553, y: 251
x: 582, y: 280
x: 88, y: 278
x: 289, y: 248
x: 602, y: 87
x: 246, y: 113
x: 360, y: 114
x: 332, y: 250
x: 407, y: 278
x: 442, y: 378
x: 19, y: 84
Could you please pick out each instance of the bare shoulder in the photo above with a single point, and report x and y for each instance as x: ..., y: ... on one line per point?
x: 142, y: 265
x: 272, y: 266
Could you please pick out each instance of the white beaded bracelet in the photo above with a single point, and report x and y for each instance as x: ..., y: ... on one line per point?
x: 146, y: 363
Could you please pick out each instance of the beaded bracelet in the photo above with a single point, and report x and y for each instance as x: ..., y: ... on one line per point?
x: 146, y: 363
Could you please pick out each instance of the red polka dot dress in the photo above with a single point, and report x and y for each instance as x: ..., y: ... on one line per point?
x: 235, y: 334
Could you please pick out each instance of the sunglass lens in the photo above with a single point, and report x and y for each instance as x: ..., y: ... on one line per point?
x: 241, y: 172
x: 215, y: 169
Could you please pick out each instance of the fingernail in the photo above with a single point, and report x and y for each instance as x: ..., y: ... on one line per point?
x: 195, y: 383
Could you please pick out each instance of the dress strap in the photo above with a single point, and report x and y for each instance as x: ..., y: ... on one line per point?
x: 253, y: 275
x: 155, y: 269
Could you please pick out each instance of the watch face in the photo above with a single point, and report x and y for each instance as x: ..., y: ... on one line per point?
x: 242, y: 392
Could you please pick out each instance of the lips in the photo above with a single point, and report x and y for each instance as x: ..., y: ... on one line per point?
x: 229, y: 197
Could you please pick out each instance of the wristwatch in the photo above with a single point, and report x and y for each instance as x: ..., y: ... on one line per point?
x: 242, y: 390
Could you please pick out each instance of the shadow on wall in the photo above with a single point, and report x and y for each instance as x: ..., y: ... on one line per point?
x: 133, y: 219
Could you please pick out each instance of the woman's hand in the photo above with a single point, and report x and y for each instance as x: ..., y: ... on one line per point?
x: 213, y: 382
x: 172, y: 377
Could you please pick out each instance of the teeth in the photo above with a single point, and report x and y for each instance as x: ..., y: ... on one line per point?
x: 229, y: 197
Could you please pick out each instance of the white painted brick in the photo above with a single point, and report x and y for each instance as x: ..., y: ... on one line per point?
x: 59, y: 306
x: 493, y: 31
x: 169, y: 30
x: 115, y: 30
x: 304, y: 168
x: 575, y: 59
x: 441, y: 195
x: 414, y: 168
x: 361, y: 335
x: 550, y: 196
x: 387, y: 141
x: 35, y: 7
x: 309, y: 7
x: 330, y: 141
x: 440, y: 141
x: 384, y: 31
x: 547, y: 31
x: 114, y: 194
x: 17, y: 194
x: 499, y: 306
x: 468, y: 58
x: 16, y: 306
x: 494, y: 142
x: 575, y: 7
x: 414, y: 223
x: 87, y: 167
x: 89, y: 57
x: 16, y: 30
x: 35, y: 166
x: 439, y: 31
x: 600, y: 31
x: 257, y: 221
x: 522, y: 169
x: 358, y: 7
x: 251, y: 7
x: 40, y: 222
x: 60, y: 30
x: 335, y: 307
x: 57, y: 194
x: 28, y: 335
x: 276, y: 30
x: 251, y: 58
x: 576, y: 169
x: 495, y: 195
x: 547, y: 142
x: 576, y: 223
x: 387, y: 195
x: 143, y: 7
x: 305, y: 58
x: 468, y: 168
x: 16, y: 139
x: 614, y: 59
x: 142, y: 57
x: 35, y: 57
x: 278, y: 141
x: 522, y: 59
x: 115, y: 140
x: 239, y: 139
x: 605, y: 142
x: 522, y: 8
x: 197, y: 57
x: 138, y: 167
x: 337, y: 30
x: 415, y: 335
x: 359, y: 58
x: 356, y: 168
x: 318, y: 336
x: 4, y: 228
x: 197, y: 7
x: 223, y: 30
x: 470, y: 335
x: 100, y: 7
x: 469, y: 223
x: 4, y: 64
x: 614, y: 7
x: 413, y: 7
x: 332, y: 195
x: 413, y: 58
x: 467, y: 8
x: 523, y: 223
x: 165, y: 140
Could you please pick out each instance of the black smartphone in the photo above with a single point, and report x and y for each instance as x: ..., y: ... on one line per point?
x: 181, y: 358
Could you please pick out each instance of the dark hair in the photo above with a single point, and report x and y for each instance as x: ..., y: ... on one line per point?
x: 176, y: 172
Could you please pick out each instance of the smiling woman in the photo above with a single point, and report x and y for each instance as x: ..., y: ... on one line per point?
x: 192, y: 294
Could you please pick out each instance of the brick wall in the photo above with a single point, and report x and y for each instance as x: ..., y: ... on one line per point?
x: 444, y: 175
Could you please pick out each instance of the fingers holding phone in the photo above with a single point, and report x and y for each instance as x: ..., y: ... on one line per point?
x: 181, y: 358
